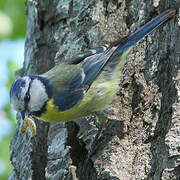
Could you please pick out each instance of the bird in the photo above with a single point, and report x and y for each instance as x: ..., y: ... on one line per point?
x: 80, y: 87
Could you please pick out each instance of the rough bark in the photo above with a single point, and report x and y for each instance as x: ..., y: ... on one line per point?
x: 142, y: 139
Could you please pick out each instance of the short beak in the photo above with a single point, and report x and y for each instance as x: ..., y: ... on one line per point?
x: 23, y: 114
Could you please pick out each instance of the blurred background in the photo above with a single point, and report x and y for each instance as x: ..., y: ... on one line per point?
x: 12, y: 37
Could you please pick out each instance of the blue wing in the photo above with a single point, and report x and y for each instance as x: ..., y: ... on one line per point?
x: 78, y: 86
x: 93, y: 61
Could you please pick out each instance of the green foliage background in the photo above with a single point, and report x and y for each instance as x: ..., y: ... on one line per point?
x: 4, y: 150
x: 12, y: 26
x: 15, y: 11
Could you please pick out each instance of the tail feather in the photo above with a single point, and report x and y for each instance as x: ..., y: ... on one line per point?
x: 115, y: 63
x: 144, y: 30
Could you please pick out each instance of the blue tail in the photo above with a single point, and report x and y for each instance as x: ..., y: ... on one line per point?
x: 93, y: 64
x: 144, y: 30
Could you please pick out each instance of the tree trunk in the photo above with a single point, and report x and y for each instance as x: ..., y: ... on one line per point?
x: 141, y: 141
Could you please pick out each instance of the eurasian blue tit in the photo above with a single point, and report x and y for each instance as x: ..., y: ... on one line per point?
x: 80, y: 87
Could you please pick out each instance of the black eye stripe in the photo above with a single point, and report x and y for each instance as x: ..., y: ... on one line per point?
x: 27, y: 97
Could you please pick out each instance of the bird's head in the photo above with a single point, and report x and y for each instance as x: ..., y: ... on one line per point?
x: 29, y: 94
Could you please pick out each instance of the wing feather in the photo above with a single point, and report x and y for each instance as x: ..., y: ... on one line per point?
x: 70, y: 81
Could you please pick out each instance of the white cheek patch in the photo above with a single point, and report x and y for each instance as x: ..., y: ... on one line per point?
x: 26, y: 87
x: 38, y: 96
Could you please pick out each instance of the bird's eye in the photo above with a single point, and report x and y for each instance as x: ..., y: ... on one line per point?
x: 27, y: 97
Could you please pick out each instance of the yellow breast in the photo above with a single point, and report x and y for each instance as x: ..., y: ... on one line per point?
x: 97, y: 97
x: 53, y: 114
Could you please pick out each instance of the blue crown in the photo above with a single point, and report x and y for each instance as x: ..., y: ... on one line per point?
x: 16, y: 88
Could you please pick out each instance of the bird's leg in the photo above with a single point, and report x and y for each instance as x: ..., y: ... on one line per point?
x: 101, y: 124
